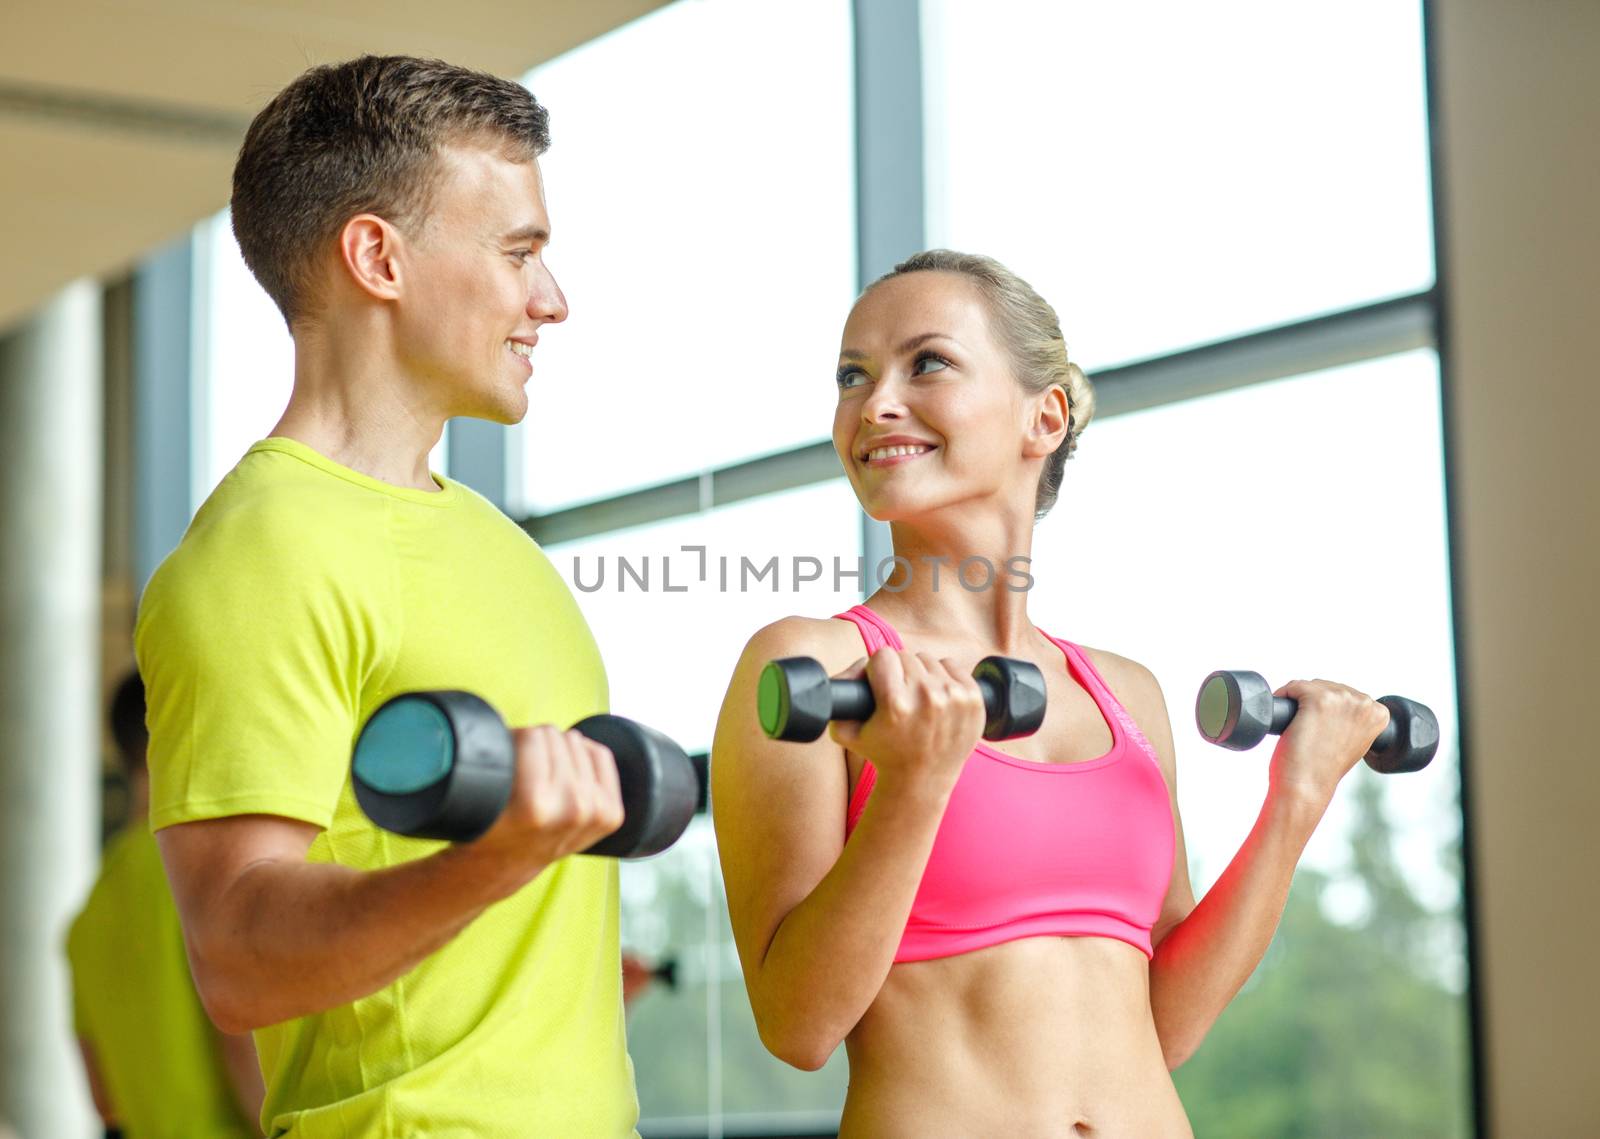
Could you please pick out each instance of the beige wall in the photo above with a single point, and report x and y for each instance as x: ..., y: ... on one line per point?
x: 1519, y: 179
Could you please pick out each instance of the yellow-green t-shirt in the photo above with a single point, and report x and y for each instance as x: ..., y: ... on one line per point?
x: 134, y: 1001
x: 304, y: 595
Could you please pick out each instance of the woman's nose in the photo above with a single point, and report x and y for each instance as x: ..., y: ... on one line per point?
x: 884, y: 402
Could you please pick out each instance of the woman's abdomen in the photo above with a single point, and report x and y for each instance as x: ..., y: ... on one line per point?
x: 1041, y: 1036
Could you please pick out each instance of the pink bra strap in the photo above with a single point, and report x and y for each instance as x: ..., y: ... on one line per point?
x: 1104, y: 694
x: 876, y: 633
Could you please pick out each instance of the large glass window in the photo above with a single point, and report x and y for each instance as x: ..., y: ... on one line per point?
x: 700, y: 185
x: 246, y: 362
x: 1168, y: 173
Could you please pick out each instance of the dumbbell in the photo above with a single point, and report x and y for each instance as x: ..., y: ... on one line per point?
x: 439, y: 765
x: 796, y: 698
x: 1236, y: 709
x: 667, y: 973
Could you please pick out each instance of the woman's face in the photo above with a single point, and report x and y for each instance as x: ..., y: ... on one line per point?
x: 929, y: 413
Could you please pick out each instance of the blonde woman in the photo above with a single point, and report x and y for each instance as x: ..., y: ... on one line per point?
x: 1004, y: 938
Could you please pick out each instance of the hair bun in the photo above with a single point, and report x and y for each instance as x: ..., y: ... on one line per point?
x: 1080, y: 394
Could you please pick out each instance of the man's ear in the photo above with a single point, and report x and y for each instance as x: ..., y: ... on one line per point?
x: 1048, y: 422
x: 372, y: 251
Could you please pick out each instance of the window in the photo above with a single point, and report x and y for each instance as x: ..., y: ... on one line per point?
x: 1168, y: 174
x: 702, y: 217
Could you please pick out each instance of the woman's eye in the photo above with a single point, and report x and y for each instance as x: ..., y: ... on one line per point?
x: 847, y: 376
x: 917, y: 368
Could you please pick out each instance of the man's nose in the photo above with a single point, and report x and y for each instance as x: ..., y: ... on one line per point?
x: 546, y: 302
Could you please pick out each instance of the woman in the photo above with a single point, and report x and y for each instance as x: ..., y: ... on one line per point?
x: 1004, y: 938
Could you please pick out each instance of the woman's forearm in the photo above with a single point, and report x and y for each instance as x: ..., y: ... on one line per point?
x: 831, y: 953
x: 1204, y: 961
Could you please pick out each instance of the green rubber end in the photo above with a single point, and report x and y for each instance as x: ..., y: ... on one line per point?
x: 772, y: 701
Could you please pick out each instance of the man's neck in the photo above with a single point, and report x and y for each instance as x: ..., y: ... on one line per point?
x: 349, y: 405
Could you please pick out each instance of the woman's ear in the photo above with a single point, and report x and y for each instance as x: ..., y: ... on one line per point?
x: 1048, y: 423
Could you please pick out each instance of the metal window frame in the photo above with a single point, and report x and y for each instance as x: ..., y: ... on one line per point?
x: 1368, y: 332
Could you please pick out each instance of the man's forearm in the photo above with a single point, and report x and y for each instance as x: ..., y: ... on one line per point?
x: 1204, y: 961
x: 294, y: 938
x: 243, y: 1069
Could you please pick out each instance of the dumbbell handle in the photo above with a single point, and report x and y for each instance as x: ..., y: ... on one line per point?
x: 796, y: 698
x: 853, y: 700
x: 1285, y: 707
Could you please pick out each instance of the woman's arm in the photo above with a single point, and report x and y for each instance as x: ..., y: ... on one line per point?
x: 1206, y: 952
x: 817, y: 920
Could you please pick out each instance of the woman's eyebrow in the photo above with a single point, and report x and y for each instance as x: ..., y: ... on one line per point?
x: 921, y: 337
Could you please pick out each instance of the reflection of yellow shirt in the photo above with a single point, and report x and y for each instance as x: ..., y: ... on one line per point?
x: 303, y: 596
x: 134, y: 1001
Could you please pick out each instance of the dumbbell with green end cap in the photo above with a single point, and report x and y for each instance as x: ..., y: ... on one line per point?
x: 440, y: 764
x: 796, y: 698
x: 1236, y: 709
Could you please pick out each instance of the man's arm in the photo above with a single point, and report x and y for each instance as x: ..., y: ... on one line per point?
x: 97, y: 1085
x: 238, y: 1052
x: 271, y: 936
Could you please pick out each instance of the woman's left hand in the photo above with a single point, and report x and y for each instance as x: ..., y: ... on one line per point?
x: 1332, y: 729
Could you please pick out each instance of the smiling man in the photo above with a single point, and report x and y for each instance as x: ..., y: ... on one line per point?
x: 393, y: 209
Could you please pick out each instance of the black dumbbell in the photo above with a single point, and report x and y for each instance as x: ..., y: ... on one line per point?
x: 796, y: 698
x: 667, y: 973
x: 439, y: 765
x: 1236, y: 709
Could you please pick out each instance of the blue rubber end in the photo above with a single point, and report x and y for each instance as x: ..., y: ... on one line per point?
x: 406, y: 746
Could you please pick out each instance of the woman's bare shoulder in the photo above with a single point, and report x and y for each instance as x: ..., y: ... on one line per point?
x: 1131, y: 682
x: 836, y: 644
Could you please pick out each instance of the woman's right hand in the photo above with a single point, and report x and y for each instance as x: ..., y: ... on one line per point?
x: 928, y: 714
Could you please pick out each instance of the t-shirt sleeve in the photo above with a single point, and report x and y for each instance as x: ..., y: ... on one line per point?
x: 252, y: 651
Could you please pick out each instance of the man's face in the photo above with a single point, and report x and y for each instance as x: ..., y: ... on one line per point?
x: 479, y: 290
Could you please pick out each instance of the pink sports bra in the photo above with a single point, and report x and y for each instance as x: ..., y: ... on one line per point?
x: 1028, y: 849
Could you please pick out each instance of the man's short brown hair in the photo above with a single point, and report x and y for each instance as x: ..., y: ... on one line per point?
x: 361, y: 137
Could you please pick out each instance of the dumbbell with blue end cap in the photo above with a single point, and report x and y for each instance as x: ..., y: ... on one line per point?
x: 440, y: 765
x: 1236, y: 709
x: 796, y: 698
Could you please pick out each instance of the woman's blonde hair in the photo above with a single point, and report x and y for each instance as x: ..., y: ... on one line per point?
x: 1031, y: 332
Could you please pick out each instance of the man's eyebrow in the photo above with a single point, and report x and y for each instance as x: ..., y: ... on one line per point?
x: 915, y: 341
x: 527, y: 233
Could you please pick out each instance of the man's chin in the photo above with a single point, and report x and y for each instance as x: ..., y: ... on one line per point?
x: 507, y: 410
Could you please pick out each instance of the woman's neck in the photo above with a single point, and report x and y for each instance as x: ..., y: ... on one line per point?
x: 967, y: 580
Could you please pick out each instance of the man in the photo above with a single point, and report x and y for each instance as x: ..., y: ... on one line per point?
x: 156, y: 1067
x: 393, y: 209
